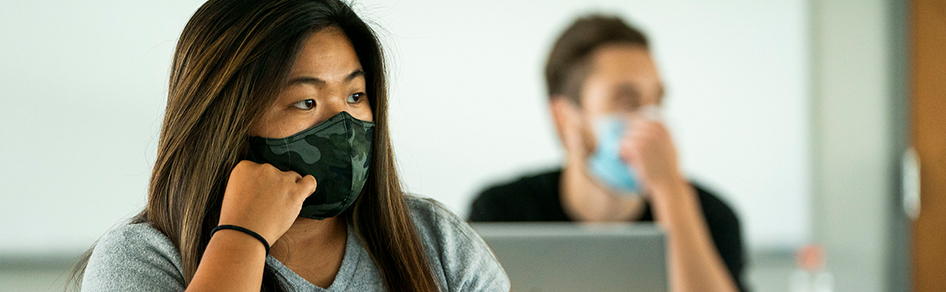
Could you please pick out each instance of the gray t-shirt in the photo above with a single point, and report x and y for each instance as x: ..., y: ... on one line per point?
x: 137, y: 257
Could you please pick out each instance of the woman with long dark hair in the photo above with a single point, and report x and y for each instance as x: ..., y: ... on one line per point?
x: 275, y: 171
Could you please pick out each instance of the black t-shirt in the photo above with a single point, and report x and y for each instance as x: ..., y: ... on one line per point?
x: 537, y: 198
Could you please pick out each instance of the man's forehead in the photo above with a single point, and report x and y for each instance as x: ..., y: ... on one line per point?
x: 624, y: 59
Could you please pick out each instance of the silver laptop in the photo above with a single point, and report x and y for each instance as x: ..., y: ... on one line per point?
x: 579, y: 257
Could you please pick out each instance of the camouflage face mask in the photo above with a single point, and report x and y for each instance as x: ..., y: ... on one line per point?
x: 336, y: 152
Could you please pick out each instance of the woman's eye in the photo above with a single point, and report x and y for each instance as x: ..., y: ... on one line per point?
x: 305, y: 104
x: 356, y: 98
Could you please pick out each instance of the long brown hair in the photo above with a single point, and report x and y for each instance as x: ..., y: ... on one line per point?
x: 231, y: 60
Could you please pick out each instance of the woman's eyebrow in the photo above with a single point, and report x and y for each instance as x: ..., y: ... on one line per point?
x: 355, y: 74
x: 319, y: 82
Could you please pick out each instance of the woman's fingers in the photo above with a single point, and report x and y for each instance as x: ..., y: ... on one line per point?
x: 306, y: 186
x: 264, y: 199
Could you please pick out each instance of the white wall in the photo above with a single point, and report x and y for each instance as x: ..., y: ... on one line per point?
x: 859, y: 127
x: 470, y: 106
x: 83, y: 87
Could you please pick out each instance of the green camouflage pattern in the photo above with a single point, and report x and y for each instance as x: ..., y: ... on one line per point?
x: 337, y: 152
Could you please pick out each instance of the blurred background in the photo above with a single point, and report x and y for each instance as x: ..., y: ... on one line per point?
x: 795, y: 111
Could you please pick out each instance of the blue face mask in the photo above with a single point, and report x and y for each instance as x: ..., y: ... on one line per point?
x: 605, y: 163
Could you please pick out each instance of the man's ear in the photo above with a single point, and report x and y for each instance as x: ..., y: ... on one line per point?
x: 563, y: 114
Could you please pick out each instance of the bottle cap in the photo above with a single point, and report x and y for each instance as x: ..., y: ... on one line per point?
x: 810, y: 257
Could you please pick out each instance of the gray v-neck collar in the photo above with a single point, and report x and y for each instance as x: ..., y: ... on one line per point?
x: 342, y: 279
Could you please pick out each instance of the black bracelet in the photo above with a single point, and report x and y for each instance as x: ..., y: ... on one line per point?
x: 244, y: 230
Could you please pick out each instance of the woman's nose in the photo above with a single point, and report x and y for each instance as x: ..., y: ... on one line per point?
x: 334, y: 106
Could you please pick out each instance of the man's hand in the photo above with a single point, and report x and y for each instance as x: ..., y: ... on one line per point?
x: 695, y: 264
x: 647, y: 147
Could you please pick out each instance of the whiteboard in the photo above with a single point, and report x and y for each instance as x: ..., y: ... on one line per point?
x: 83, y: 87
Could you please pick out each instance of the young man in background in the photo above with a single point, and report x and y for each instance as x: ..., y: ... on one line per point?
x: 621, y: 164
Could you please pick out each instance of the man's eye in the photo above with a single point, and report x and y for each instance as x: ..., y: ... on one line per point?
x: 356, y: 98
x: 305, y: 104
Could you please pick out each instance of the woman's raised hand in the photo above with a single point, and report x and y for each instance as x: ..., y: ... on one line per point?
x: 264, y: 199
